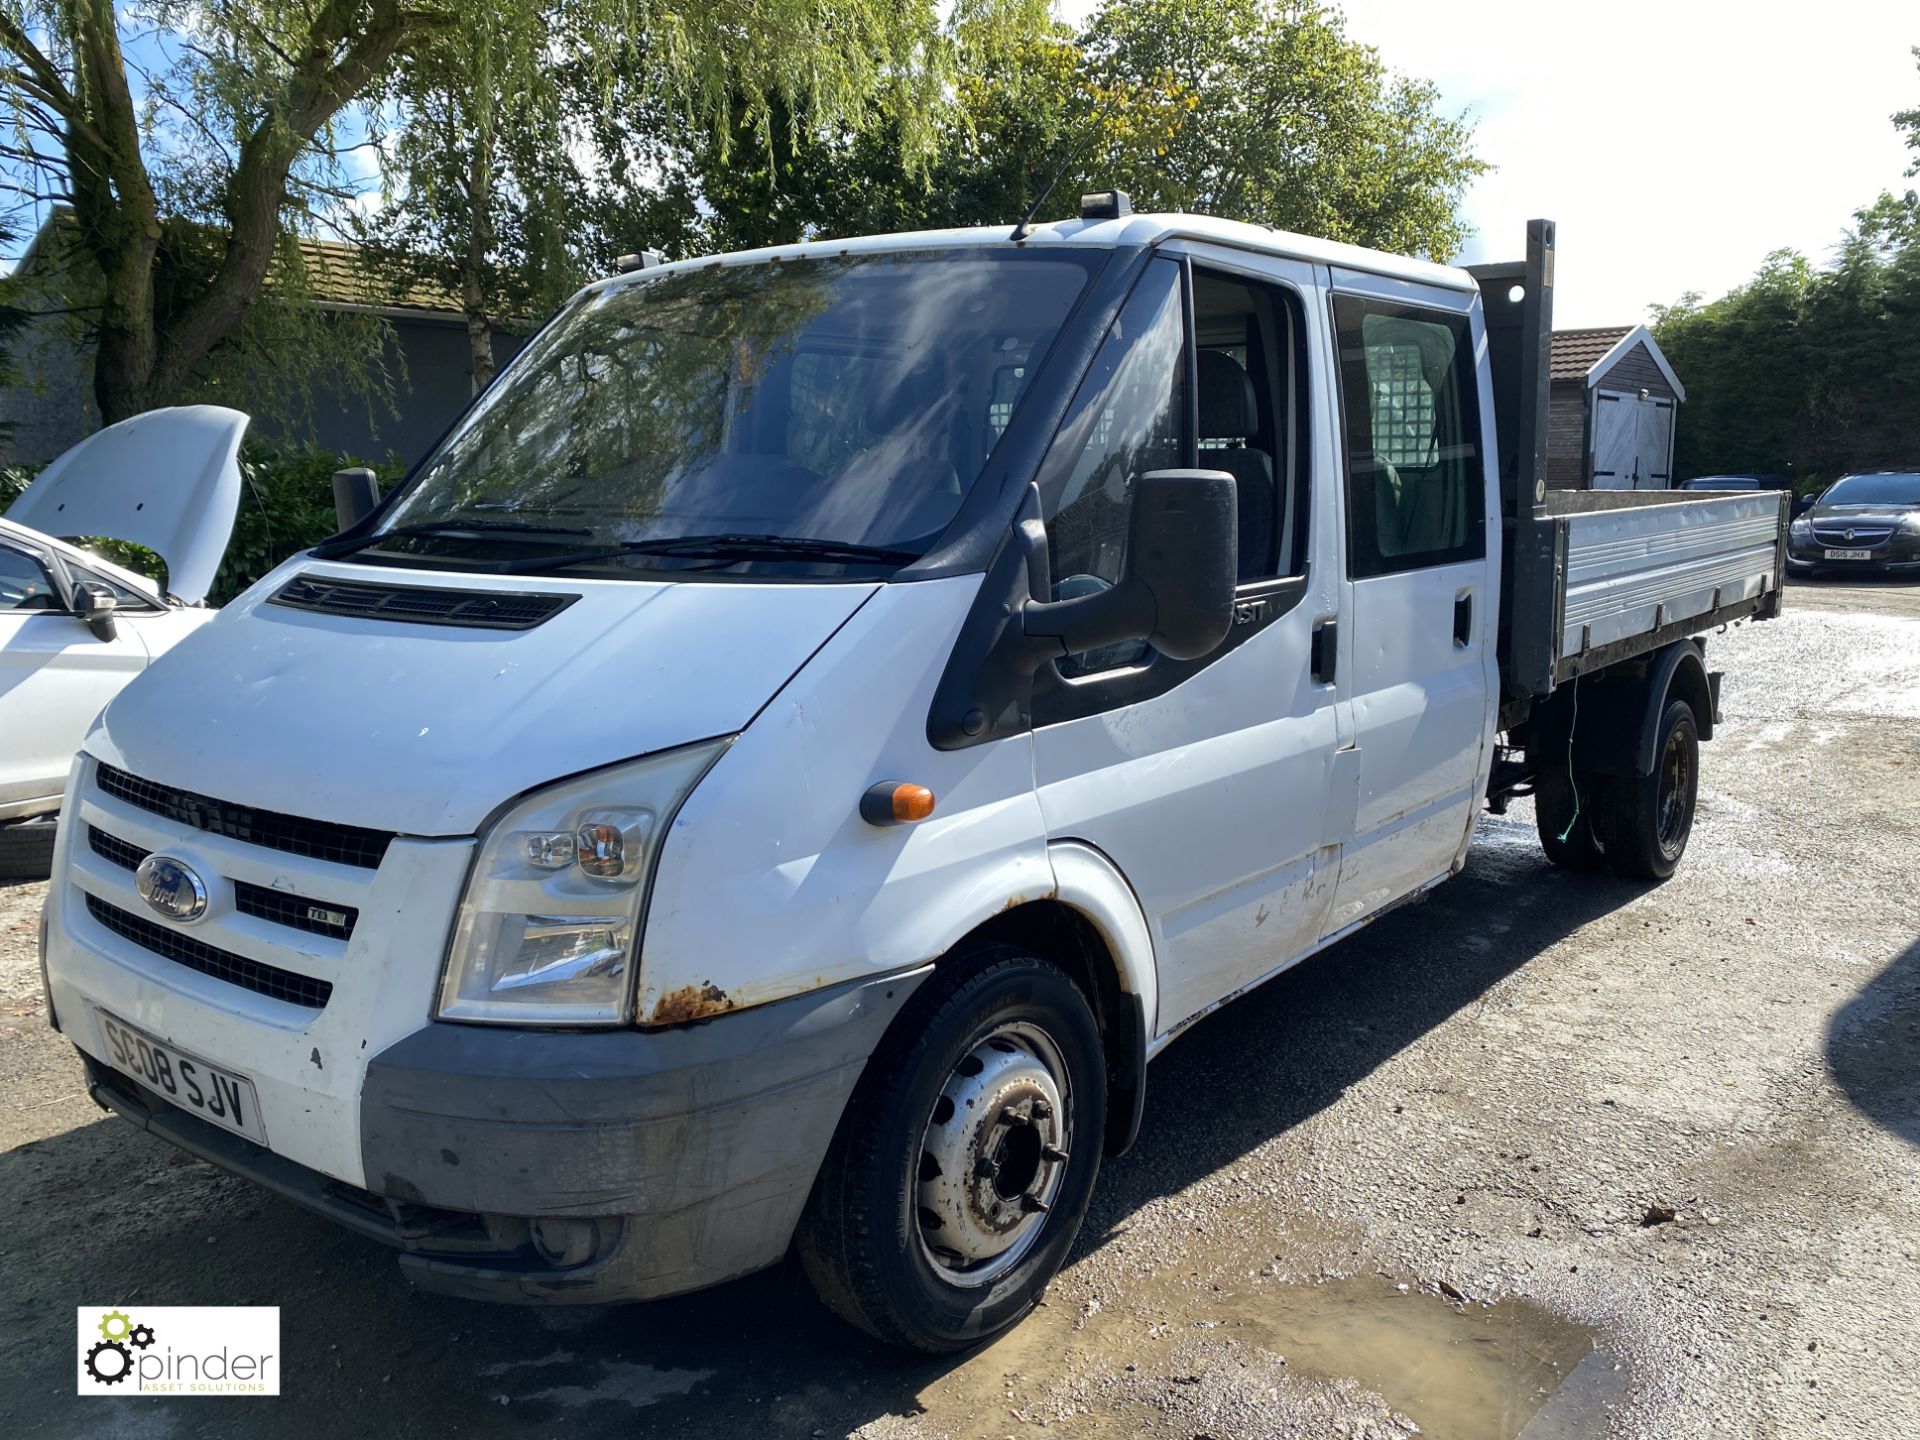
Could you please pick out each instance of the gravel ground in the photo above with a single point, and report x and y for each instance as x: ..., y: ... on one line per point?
x: 1405, y: 1187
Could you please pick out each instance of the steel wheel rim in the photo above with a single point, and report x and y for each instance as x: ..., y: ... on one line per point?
x: 1676, y: 773
x: 993, y: 1155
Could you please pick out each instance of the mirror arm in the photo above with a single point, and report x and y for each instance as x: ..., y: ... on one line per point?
x: 1124, y: 612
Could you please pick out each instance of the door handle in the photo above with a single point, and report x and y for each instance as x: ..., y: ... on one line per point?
x: 1325, y: 650
x: 1463, y: 619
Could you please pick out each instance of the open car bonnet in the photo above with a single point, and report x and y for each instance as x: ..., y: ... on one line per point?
x: 168, y: 480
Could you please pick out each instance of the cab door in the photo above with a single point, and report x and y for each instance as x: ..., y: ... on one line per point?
x: 1205, y: 781
x: 1422, y: 541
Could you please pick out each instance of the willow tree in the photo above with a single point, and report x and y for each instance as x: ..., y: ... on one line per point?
x: 1257, y: 110
x: 239, y: 116
x: 522, y: 131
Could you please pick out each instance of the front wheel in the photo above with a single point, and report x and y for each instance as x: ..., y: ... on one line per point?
x: 1644, y: 821
x: 964, y: 1163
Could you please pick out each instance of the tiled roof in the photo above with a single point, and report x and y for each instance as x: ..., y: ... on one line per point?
x: 339, y: 273
x: 1575, y: 352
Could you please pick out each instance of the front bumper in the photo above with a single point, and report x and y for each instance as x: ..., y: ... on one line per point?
x: 1897, y: 555
x: 582, y: 1167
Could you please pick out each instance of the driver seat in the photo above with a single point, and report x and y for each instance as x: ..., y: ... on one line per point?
x: 1229, y: 414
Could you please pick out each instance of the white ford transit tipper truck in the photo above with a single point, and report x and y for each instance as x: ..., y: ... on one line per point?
x: 825, y: 718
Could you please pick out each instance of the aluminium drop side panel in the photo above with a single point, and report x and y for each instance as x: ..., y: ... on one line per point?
x: 1633, y: 568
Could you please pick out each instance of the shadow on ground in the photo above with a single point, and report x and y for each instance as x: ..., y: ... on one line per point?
x: 110, y: 1216
x: 1873, y: 1047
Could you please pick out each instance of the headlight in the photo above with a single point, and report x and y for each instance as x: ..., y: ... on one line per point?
x: 1910, y: 523
x: 1801, y: 528
x: 549, y: 928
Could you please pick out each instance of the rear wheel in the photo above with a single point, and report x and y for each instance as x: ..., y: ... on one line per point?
x: 963, y: 1166
x: 1563, y: 809
x: 1645, y: 820
x: 26, y: 849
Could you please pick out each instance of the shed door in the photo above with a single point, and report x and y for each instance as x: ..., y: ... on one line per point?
x: 1632, y: 440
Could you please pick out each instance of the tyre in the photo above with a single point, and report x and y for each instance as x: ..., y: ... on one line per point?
x: 1644, y: 821
x: 1563, y: 806
x: 965, y: 1160
x: 26, y: 849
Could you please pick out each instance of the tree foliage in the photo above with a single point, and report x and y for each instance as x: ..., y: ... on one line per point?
x: 1258, y: 110
x: 188, y: 170
x: 1803, y: 370
x: 230, y: 127
x: 520, y: 144
x: 517, y: 146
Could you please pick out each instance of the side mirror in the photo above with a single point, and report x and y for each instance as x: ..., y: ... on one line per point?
x: 1182, y: 563
x: 94, y: 604
x: 356, y: 491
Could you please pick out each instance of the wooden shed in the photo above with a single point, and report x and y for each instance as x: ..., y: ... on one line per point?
x: 1610, y: 411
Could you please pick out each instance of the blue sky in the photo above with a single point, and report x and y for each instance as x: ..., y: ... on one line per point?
x: 1676, y: 144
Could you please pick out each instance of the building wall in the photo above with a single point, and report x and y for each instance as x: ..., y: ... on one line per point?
x: 1567, y: 435
x: 438, y: 381
x: 54, y: 409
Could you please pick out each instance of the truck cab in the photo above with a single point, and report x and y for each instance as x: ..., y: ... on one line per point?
x: 824, y: 720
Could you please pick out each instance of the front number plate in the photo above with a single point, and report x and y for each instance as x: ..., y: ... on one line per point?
x: 197, y: 1086
x: 1849, y: 554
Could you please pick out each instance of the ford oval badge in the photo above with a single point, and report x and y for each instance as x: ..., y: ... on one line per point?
x: 171, y: 888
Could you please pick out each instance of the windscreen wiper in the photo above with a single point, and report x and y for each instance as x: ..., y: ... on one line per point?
x: 726, y: 547
x: 455, y: 528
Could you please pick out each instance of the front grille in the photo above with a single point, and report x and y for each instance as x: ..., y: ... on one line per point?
x: 115, y: 850
x: 314, y: 916
x: 316, y: 839
x: 1864, y: 537
x: 210, y: 960
x: 422, y: 605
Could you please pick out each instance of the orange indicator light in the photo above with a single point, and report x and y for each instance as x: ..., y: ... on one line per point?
x: 895, y: 802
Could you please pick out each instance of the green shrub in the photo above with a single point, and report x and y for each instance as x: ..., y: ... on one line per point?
x: 14, y: 479
x: 286, y: 505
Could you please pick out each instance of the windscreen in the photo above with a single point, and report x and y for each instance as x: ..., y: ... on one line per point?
x: 849, y: 399
x: 1874, y: 490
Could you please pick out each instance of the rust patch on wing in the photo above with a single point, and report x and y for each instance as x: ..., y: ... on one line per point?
x: 692, y: 1002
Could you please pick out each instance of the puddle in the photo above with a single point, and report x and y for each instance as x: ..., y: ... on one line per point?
x: 1506, y: 1371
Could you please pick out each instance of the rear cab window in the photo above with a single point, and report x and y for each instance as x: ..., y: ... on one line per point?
x: 1409, y: 393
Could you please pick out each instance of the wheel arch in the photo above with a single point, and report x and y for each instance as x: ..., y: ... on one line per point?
x: 1092, y: 927
x: 1685, y: 669
x: 1611, y: 718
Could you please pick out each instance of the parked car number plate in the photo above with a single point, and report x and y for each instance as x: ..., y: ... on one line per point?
x: 1849, y: 554
x: 197, y: 1086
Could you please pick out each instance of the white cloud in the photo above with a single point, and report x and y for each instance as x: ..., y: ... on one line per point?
x: 1676, y: 144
